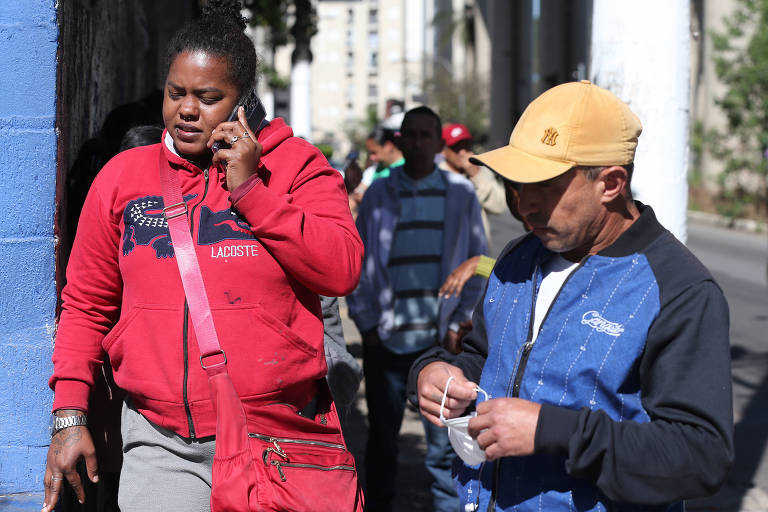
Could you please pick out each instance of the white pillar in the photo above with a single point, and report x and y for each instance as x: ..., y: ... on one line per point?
x: 301, y: 109
x: 268, y: 100
x: 641, y: 52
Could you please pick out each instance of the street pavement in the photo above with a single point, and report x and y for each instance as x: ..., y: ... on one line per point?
x: 738, y: 262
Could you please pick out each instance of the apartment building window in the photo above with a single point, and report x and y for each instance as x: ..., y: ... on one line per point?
x: 373, y: 91
x: 373, y: 40
x: 373, y: 16
x: 350, y: 62
x: 373, y: 61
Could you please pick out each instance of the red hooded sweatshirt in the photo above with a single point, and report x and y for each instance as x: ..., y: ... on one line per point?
x: 265, y: 251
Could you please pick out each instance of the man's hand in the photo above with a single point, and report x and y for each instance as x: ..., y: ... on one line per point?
x: 452, y: 342
x: 505, y: 427
x: 430, y: 387
x: 67, y: 447
x: 468, y: 167
x: 456, y: 280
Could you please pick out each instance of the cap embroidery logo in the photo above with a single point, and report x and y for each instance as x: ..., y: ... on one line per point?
x: 550, y: 137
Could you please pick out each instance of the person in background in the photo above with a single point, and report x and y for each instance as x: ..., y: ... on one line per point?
x: 383, y: 150
x: 353, y: 177
x: 344, y: 372
x: 416, y: 224
x: 456, y: 154
x: 481, y: 265
x: 383, y: 155
x: 141, y: 136
x: 602, y: 341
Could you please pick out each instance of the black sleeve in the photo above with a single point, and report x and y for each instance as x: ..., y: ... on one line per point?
x: 470, y: 360
x: 686, y: 449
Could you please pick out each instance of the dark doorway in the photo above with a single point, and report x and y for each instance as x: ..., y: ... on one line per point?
x: 109, y: 78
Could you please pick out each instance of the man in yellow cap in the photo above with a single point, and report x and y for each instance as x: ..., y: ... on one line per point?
x: 601, y: 341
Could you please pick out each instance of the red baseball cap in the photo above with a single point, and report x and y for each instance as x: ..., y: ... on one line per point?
x: 455, y: 132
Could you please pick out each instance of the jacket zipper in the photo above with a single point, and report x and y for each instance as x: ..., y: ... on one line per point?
x: 515, y: 383
x: 280, y: 464
x: 277, y: 440
x: 278, y: 450
x: 185, y: 331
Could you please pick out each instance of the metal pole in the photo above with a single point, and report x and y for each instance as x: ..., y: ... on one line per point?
x: 641, y: 52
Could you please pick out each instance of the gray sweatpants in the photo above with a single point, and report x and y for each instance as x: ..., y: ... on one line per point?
x: 161, y: 470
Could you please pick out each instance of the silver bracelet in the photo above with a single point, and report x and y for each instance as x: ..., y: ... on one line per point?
x: 77, y: 420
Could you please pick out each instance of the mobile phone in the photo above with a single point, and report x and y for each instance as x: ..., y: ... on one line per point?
x: 254, y: 114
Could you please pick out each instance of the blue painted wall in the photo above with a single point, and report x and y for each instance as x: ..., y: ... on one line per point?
x: 28, y: 43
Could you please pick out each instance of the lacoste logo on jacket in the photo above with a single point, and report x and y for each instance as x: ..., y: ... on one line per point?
x: 550, y: 137
x: 600, y: 324
x: 146, y: 225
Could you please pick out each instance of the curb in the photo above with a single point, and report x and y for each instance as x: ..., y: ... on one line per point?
x: 749, y: 225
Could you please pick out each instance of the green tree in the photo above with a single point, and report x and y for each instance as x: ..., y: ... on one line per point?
x: 274, y: 15
x: 459, y: 101
x: 741, y: 63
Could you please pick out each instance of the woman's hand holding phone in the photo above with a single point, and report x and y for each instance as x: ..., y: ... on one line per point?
x: 242, y: 157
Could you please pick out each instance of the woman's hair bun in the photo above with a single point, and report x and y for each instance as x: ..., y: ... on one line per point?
x: 225, y: 9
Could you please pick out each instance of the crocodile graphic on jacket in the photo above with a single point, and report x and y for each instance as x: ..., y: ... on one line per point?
x: 145, y: 225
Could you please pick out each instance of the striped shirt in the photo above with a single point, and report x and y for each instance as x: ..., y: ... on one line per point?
x: 415, y: 262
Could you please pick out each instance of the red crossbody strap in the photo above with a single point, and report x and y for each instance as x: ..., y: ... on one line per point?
x: 175, y: 213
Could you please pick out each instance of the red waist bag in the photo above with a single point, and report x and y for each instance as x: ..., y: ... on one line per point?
x: 296, y: 469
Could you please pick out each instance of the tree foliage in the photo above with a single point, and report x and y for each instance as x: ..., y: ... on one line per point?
x: 741, y: 63
x: 275, y: 16
x: 459, y: 101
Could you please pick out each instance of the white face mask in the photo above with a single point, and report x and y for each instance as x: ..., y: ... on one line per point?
x: 463, y: 444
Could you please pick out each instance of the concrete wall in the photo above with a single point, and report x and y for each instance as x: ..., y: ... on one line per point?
x: 28, y: 37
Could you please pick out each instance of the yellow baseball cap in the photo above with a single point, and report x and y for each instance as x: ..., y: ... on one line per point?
x: 577, y: 123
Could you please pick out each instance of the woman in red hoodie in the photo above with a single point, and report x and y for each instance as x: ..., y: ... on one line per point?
x: 272, y: 230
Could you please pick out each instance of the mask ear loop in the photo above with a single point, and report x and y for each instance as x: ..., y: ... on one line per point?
x: 475, y: 504
x: 478, y: 389
x: 445, y: 395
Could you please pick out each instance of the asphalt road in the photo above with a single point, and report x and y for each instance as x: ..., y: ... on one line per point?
x: 738, y: 261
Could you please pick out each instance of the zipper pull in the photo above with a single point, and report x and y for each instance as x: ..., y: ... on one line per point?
x: 279, y: 467
x: 265, y: 455
x: 205, y: 174
x: 279, y: 450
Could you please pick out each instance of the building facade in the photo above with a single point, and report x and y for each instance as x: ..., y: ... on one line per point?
x: 374, y: 57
